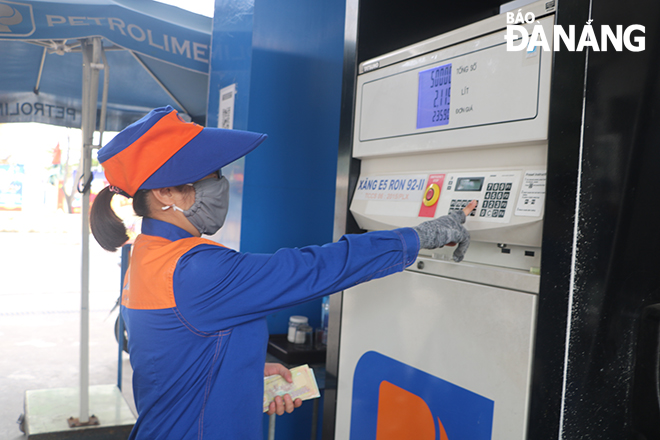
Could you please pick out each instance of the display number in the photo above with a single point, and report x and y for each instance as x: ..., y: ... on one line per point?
x: 434, y: 96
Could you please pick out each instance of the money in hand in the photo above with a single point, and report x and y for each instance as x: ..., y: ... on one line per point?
x: 303, y: 387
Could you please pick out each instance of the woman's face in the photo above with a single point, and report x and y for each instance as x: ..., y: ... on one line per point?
x: 186, y: 193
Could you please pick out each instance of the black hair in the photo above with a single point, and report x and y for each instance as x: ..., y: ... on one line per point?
x: 108, y: 229
x: 141, y: 203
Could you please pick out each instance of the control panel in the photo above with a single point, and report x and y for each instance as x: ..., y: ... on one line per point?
x: 491, y: 190
x: 504, y: 198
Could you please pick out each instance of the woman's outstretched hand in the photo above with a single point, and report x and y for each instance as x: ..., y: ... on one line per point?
x: 447, y: 230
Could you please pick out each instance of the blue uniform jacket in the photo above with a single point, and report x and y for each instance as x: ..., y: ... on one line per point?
x: 195, y: 315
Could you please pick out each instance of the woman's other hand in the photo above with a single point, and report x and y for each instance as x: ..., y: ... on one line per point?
x: 281, y: 404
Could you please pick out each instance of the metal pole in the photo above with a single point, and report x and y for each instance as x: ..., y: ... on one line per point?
x: 91, y: 50
x: 104, y: 102
x: 125, y: 255
x: 41, y: 70
x: 83, y: 415
x: 315, y: 419
x: 271, y: 427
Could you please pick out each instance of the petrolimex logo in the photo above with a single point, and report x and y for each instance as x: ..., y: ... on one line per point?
x: 393, y: 401
x: 518, y: 38
x: 16, y: 19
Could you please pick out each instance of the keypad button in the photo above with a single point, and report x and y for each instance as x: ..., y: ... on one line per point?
x: 495, y: 212
x: 508, y: 187
x: 482, y: 213
x: 491, y: 204
x: 497, y: 204
x: 504, y: 203
x: 487, y: 196
x: 489, y: 187
x: 502, y: 186
x: 506, y: 196
x: 500, y: 195
x: 453, y: 204
x: 501, y: 213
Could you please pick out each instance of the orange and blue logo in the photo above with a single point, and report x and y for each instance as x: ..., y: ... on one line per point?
x: 392, y: 400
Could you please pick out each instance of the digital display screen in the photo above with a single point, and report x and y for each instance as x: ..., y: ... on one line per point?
x: 469, y: 184
x: 434, y: 96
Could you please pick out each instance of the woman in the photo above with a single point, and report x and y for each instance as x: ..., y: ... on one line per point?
x: 196, y: 311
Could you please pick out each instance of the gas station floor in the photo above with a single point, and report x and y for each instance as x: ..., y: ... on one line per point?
x: 40, y: 320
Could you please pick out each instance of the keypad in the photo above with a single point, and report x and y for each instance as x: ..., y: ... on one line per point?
x: 496, y: 200
x: 495, y: 203
x: 457, y: 205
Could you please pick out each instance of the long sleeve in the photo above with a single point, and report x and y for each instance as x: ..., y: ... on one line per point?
x: 217, y: 288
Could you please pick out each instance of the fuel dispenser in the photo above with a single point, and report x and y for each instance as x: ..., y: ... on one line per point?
x: 443, y: 347
x: 549, y: 327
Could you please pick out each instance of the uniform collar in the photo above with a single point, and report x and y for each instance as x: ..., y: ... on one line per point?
x: 163, y: 229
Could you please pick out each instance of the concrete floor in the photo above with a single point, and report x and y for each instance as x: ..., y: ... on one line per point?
x: 40, y: 318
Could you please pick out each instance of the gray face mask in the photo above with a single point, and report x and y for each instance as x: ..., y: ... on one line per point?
x: 208, y: 212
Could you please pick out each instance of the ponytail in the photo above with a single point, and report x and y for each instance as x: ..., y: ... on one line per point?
x: 141, y: 203
x: 108, y: 229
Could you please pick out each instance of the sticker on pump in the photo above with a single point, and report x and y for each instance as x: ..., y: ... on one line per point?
x: 394, y: 400
x: 532, y: 194
x: 403, y: 188
x: 431, y: 195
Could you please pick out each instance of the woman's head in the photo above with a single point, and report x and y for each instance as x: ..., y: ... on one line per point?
x: 156, y: 160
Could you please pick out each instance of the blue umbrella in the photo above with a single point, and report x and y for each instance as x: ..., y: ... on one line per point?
x: 54, y: 57
x: 156, y: 55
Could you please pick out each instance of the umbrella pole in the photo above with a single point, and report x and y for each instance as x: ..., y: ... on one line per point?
x: 45, y: 408
x: 91, y: 50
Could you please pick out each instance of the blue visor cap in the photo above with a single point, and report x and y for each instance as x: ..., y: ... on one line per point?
x: 162, y: 150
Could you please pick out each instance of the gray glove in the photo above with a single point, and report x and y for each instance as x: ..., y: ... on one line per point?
x: 446, y: 229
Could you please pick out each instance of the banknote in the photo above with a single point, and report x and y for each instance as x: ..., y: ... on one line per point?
x: 303, y: 387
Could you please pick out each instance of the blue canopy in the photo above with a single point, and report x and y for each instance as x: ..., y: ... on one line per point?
x: 156, y: 55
